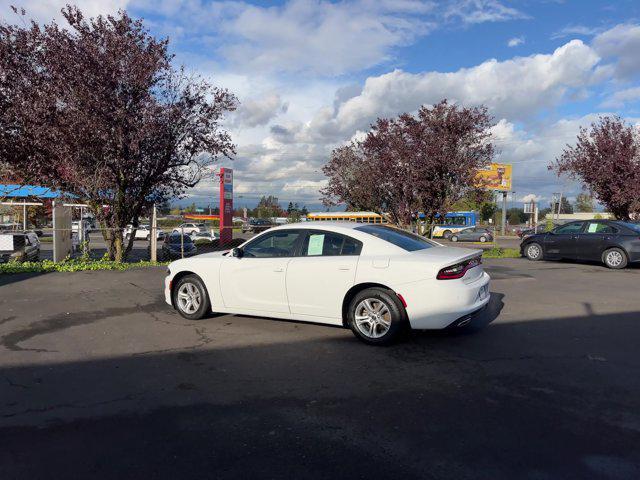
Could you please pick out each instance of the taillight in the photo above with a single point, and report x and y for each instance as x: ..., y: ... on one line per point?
x: 459, y: 269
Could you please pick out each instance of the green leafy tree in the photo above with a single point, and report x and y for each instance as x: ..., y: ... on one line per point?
x: 268, y: 207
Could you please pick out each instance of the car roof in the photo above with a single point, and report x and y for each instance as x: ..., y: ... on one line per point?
x: 324, y: 225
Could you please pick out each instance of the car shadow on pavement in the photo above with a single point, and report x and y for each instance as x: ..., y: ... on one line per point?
x: 533, y: 398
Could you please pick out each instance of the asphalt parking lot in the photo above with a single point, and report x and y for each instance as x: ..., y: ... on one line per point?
x: 101, y: 379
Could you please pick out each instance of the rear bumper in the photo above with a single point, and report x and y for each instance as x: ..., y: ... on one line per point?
x: 436, y: 304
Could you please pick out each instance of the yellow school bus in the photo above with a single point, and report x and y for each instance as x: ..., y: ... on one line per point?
x: 360, y: 217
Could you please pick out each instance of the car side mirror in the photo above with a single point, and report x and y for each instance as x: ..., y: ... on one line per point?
x: 236, y: 252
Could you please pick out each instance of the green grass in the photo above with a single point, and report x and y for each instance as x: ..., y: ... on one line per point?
x: 46, y: 239
x: 75, y: 265
x: 498, y: 252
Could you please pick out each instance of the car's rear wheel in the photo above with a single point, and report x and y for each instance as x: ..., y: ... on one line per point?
x: 376, y: 317
x: 615, y: 258
x: 190, y: 298
x: 533, y: 252
x: 447, y: 234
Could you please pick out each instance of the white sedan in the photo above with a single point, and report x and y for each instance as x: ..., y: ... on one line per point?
x: 375, y: 279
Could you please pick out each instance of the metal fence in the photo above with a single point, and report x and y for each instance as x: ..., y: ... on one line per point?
x: 171, y: 244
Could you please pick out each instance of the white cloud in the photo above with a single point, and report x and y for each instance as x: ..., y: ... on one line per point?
x: 517, y: 89
x: 622, y: 97
x: 530, y: 197
x: 480, y: 11
x: 44, y: 11
x: 315, y: 37
x: 622, y: 44
x: 573, y: 30
x: 255, y: 112
x: 516, y: 41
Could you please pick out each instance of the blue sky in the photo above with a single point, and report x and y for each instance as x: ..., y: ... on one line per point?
x: 313, y: 74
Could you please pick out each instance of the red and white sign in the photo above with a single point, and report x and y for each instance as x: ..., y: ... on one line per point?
x: 226, y: 205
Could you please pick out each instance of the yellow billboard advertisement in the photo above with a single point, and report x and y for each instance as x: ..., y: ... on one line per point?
x: 496, y: 176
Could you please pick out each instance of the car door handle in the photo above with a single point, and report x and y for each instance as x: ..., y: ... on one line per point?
x: 279, y: 269
x: 344, y: 268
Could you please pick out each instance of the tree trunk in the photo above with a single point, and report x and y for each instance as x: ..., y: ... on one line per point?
x: 118, y: 248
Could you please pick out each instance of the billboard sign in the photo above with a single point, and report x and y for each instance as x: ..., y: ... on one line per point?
x: 496, y: 176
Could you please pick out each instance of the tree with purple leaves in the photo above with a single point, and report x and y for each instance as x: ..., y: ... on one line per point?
x: 96, y: 109
x: 606, y: 159
x: 409, y: 164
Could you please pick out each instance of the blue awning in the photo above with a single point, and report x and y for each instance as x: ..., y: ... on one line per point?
x: 22, y: 191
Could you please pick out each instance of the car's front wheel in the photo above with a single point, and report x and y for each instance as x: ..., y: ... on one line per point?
x: 454, y: 238
x: 533, y: 252
x: 615, y: 258
x: 376, y: 317
x: 190, y: 298
x: 483, y: 239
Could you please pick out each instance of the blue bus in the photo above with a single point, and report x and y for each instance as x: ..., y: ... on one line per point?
x: 453, y: 223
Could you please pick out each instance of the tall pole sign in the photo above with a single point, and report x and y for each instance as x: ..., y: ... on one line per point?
x: 226, y: 205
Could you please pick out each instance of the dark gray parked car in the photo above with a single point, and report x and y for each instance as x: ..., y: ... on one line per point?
x: 611, y: 242
x: 474, y: 234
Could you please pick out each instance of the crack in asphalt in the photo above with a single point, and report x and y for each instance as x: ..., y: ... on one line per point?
x: 50, y: 408
x: 7, y: 319
x: 60, y: 322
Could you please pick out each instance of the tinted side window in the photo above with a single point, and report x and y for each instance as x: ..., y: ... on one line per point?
x: 274, y: 244
x: 330, y: 244
x: 569, y: 228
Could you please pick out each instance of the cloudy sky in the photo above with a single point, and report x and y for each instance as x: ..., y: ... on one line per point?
x: 312, y: 74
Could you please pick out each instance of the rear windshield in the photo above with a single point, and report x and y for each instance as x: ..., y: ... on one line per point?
x: 400, y: 238
x: 633, y: 226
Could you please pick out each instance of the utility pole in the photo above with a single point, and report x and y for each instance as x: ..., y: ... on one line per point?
x: 154, y: 235
x: 503, y: 229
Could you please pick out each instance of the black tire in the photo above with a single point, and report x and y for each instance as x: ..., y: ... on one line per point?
x: 447, y: 234
x: 454, y: 238
x: 148, y: 238
x: 483, y: 239
x: 533, y: 251
x: 615, y: 258
x: 193, y: 283
x: 390, y: 312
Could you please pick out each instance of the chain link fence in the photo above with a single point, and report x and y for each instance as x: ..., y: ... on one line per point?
x: 94, y: 243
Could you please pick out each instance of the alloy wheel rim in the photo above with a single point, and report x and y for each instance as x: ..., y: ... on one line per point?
x: 533, y: 251
x: 372, y: 318
x: 189, y: 298
x: 614, y: 258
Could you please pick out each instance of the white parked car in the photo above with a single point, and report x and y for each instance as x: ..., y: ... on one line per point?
x: 189, y: 228
x: 375, y: 279
x: 204, y: 236
x: 143, y: 232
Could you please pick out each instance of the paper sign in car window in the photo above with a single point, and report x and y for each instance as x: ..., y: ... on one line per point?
x: 316, y: 243
x: 593, y: 227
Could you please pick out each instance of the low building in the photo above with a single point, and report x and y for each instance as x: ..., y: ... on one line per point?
x: 571, y: 217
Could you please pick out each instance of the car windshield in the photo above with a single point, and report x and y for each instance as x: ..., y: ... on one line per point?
x: 633, y: 226
x: 400, y: 238
x: 176, y: 239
